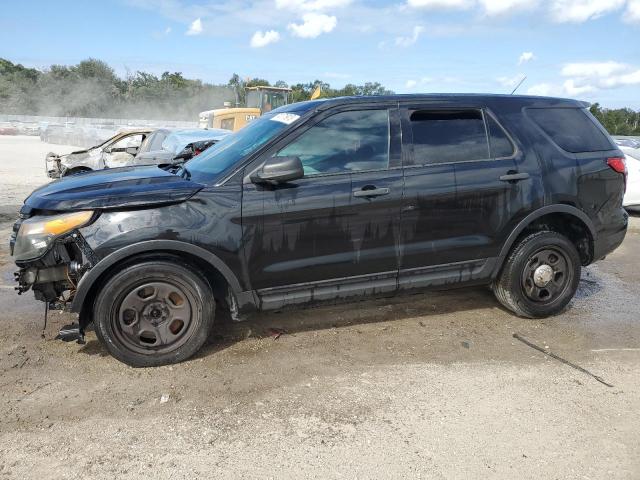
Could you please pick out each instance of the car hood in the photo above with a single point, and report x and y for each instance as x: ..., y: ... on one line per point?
x: 111, y: 188
x: 78, y: 154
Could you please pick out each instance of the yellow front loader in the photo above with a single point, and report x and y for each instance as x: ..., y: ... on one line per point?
x: 259, y: 100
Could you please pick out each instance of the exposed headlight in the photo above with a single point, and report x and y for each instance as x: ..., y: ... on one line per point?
x: 36, y: 234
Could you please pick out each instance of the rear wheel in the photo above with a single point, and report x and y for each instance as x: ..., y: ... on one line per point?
x: 154, y: 313
x: 540, y: 277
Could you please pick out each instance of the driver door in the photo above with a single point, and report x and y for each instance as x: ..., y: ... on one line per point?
x: 320, y: 236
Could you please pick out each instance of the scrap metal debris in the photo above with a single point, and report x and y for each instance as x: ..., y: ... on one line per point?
x: 560, y: 359
x: 70, y: 333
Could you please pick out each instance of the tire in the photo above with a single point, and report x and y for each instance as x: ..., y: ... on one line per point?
x: 154, y: 313
x: 537, y: 258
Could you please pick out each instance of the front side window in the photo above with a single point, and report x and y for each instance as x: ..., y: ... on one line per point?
x: 129, y: 141
x: 347, y: 141
x: 448, y: 136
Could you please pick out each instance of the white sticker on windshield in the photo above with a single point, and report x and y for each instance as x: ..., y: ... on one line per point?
x: 287, y: 118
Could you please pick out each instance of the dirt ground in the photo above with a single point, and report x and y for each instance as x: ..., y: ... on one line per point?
x: 429, y: 386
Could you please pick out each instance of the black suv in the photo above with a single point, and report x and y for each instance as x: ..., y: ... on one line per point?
x: 329, y: 200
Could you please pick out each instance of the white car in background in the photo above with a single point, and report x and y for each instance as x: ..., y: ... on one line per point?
x: 631, y: 149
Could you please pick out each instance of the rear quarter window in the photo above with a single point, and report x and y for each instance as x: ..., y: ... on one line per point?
x: 572, y: 129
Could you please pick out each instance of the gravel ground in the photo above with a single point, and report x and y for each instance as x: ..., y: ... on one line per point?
x: 429, y: 386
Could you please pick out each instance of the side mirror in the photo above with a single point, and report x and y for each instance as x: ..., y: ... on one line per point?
x: 131, y: 150
x: 279, y: 170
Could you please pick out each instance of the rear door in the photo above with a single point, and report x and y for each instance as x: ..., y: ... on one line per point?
x: 334, y: 232
x: 456, y: 196
x: 151, y: 151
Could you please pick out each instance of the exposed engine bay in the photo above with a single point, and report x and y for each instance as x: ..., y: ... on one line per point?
x: 54, y: 276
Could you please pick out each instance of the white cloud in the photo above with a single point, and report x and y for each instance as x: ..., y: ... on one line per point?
x: 314, y: 24
x: 592, y: 69
x: 195, y: 28
x: 590, y: 77
x: 510, y: 81
x: 526, y: 57
x: 578, y: 11
x: 311, y: 5
x: 632, y: 15
x: 408, y: 41
x: 571, y: 89
x: 561, y: 11
x: 167, y: 30
x: 631, y: 78
x: 441, y: 4
x: 504, y: 7
x: 260, y: 39
x: 544, y: 90
x: 421, y: 82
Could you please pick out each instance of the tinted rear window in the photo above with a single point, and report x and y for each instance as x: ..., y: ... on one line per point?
x: 448, y: 136
x: 572, y: 129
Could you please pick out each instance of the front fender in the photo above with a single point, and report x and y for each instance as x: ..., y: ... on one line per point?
x: 90, y: 279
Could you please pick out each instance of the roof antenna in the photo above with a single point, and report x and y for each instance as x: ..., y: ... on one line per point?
x: 519, y: 83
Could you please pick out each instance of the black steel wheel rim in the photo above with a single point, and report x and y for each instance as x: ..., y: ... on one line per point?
x: 547, y: 275
x: 156, y: 316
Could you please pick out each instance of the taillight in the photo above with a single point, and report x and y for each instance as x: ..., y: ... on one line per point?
x: 618, y: 164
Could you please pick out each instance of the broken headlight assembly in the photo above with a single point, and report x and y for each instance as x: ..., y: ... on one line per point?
x: 38, y: 233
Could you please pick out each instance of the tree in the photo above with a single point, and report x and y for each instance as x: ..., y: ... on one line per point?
x: 93, y: 89
x: 621, y: 121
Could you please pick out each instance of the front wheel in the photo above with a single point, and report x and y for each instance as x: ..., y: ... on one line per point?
x: 154, y: 313
x: 540, y: 276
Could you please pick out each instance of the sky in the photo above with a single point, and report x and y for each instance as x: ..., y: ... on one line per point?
x: 585, y: 49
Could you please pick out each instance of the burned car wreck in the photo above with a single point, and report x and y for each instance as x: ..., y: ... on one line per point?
x: 118, y: 151
x: 135, y: 147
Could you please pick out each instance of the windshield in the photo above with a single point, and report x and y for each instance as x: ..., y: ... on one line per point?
x: 254, y: 99
x: 233, y: 148
x: 177, y: 141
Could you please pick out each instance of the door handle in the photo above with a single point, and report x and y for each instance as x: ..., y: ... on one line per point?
x: 514, y: 177
x: 372, y: 192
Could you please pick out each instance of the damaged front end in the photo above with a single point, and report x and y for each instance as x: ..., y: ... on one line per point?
x: 58, y: 166
x: 48, y: 242
x: 51, y: 255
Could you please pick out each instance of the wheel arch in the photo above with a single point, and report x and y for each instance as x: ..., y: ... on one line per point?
x: 549, y: 216
x: 209, y: 264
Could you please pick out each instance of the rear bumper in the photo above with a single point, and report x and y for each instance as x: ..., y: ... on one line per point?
x: 610, y: 239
